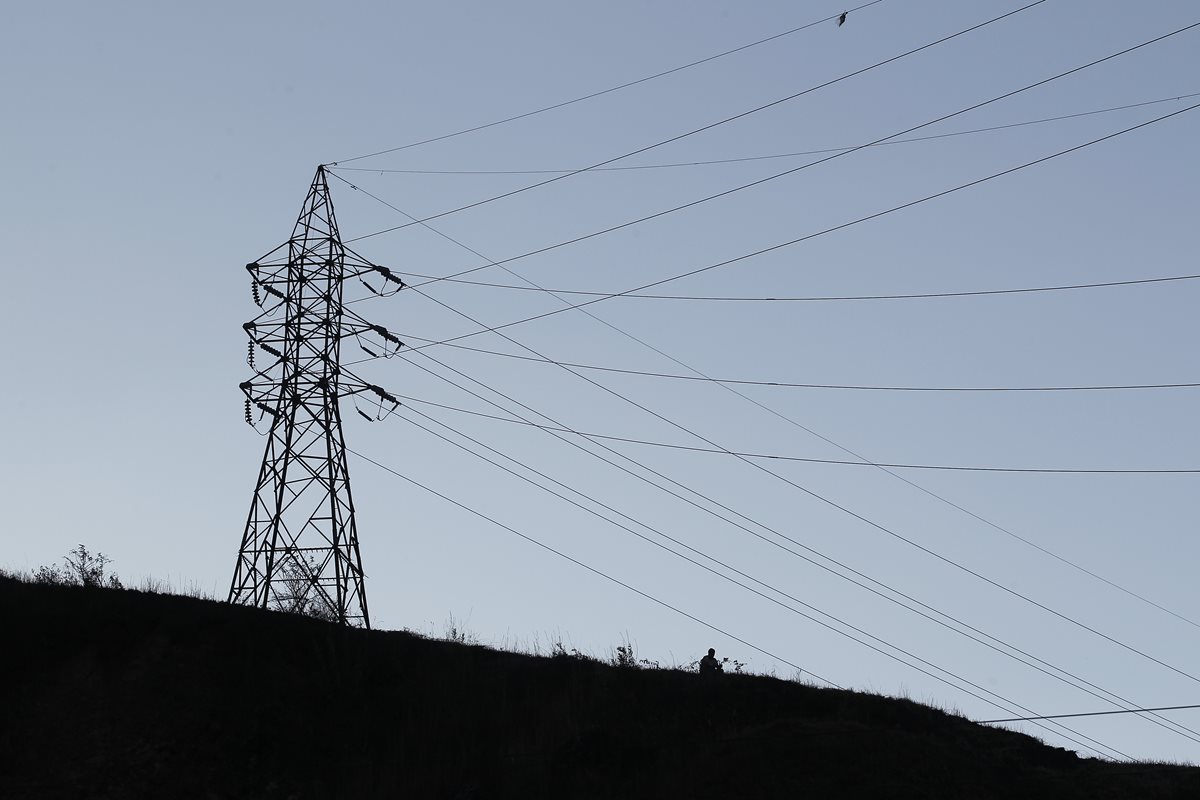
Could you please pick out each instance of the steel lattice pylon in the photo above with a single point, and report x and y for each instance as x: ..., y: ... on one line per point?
x: 300, y: 547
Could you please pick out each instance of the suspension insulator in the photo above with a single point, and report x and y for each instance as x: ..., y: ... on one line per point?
x: 254, y: 293
x: 387, y: 274
x: 387, y: 335
x: 250, y: 354
x: 383, y: 394
x: 249, y: 418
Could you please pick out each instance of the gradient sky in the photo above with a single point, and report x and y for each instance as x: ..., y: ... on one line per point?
x: 156, y: 148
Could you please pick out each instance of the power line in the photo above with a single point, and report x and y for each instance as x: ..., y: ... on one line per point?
x: 811, y: 299
x: 940, y: 498
x: 772, y: 156
x: 1086, y: 714
x: 798, y: 240
x: 848, y: 451
x: 832, y: 503
x: 812, y: 432
x: 790, y: 385
x: 749, y: 577
x: 589, y: 568
x: 1183, y: 730
x: 603, y: 91
x: 708, y: 127
x: 775, y: 457
x: 835, y: 630
x: 927, y: 491
x: 792, y: 170
x: 882, y: 528
x: 826, y: 439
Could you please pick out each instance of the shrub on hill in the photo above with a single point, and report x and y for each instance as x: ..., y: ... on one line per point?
x: 80, y: 567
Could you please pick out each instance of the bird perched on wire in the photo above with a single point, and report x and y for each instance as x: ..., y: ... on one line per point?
x: 842, y: 19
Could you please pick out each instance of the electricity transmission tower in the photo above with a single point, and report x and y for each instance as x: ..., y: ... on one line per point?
x: 300, y: 549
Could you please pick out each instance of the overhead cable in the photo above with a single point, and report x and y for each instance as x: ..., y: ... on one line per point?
x: 738, y: 572
x: 977, y: 516
x: 898, y: 476
x: 810, y: 298
x: 1086, y: 714
x: 842, y: 386
x: 798, y: 240
x: 1070, y: 678
x: 710, y: 126
x: 846, y: 510
x: 590, y: 568
x: 776, y: 457
x: 792, y: 170
x: 773, y: 156
x: 609, y: 90
x: 833, y: 504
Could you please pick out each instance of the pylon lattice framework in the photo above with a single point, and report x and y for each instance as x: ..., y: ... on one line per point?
x: 300, y: 548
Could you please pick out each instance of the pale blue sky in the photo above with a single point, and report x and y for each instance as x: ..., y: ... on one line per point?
x: 156, y: 148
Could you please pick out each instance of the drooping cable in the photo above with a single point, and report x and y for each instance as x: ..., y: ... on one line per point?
x: 1071, y: 679
x: 792, y: 242
x: 993, y: 703
x: 1030, y: 163
x: 609, y: 90
x: 1087, y: 714
x: 710, y: 126
x: 839, y: 386
x: 861, y: 459
x: 844, y: 449
x: 794, y: 170
x: 844, y: 509
x: 880, y: 527
x: 589, y: 568
x: 492, y: 329
x: 810, y: 298
x: 800, y: 459
x: 774, y: 156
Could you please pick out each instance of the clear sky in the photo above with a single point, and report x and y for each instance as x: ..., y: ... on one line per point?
x: 154, y: 149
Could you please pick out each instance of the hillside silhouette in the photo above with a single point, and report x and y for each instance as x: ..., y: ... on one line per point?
x: 125, y: 694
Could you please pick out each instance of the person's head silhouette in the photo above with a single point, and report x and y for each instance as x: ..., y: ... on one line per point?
x: 712, y: 652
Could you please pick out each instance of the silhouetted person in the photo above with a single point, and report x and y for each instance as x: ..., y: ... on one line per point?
x: 709, y: 664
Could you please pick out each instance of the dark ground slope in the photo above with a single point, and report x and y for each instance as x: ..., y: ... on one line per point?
x: 120, y: 694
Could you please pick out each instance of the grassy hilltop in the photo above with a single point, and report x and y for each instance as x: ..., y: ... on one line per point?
x: 123, y: 694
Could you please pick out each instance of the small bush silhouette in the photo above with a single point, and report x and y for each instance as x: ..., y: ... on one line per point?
x: 625, y: 657
x: 80, y: 567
